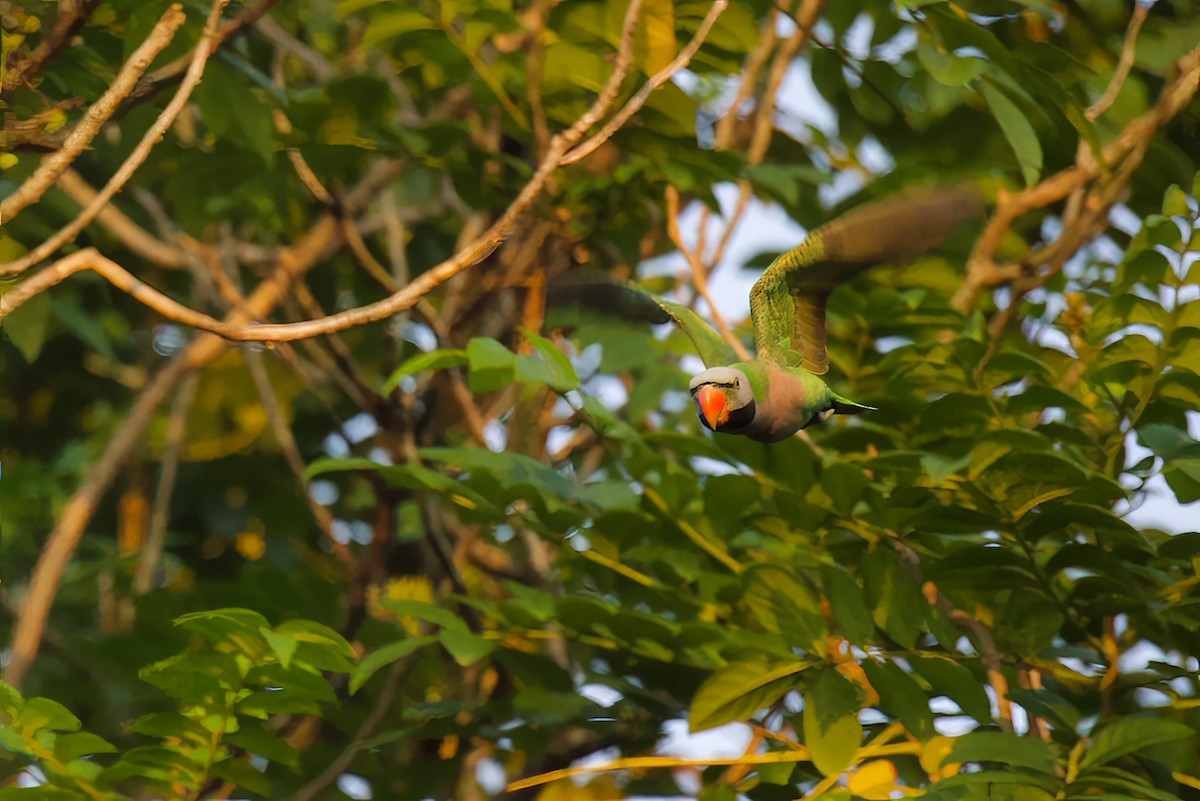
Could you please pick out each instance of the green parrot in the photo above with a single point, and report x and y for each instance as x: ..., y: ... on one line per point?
x: 778, y: 392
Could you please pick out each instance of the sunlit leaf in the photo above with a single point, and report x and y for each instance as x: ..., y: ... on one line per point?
x: 831, y: 728
x: 739, y: 690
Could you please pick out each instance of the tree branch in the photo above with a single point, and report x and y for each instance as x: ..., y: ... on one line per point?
x: 135, y: 159
x: 85, y: 131
x: 982, y: 270
x: 469, y: 256
x: 79, y: 508
x: 72, y: 15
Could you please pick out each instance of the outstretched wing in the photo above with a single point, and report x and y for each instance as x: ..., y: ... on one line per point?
x: 627, y: 302
x: 787, y: 303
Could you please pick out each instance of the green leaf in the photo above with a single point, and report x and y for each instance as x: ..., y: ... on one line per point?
x: 411, y: 476
x: 422, y: 362
x: 81, y: 743
x: 240, y: 626
x: 831, y: 728
x: 897, y: 605
x: 995, y: 746
x: 655, y: 40
x: 384, y: 656
x: 264, y: 743
x: 954, y: 681
x: 39, y: 714
x: 425, y: 611
x: 553, y: 369
x: 1131, y: 734
x: 491, y: 364
x: 466, y: 648
x: 26, y: 326
x: 309, y: 631
x: 1175, y: 202
x: 10, y: 698
x: 947, y: 68
x: 1020, y: 134
x: 170, y: 724
x: 283, y: 645
x: 242, y: 774
x: 901, y: 697
x: 783, y: 604
x: 737, y: 691
x: 849, y: 609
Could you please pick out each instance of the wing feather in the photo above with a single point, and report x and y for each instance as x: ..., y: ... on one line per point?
x: 787, y: 303
x: 628, y: 302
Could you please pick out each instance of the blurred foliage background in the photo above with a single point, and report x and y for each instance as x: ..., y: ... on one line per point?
x: 482, y: 541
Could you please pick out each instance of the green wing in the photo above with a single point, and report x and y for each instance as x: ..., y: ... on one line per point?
x: 628, y: 302
x: 787, y: 304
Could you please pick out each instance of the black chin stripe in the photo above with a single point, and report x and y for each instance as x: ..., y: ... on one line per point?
x: 739, y: 418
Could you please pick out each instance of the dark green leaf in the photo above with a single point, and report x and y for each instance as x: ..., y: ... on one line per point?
x: 1127, y: 735
x: 384, y: 656
x: 901, y: 696
x: 1020, y: 134
x: 1010, y: 749
x: 422, y: 362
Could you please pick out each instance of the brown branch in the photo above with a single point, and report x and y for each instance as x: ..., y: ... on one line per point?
x: 634, y: 104
x: 74, y: 516
x: 34, y: 133
x: 132, y: 235
x: 727, y: 125
x: 152, y: 549
x: 152, y: 136
x: 291, y: 454
x: 988, y: 652
x: 1124, y: 63
x: 472, y: 254
x: 699, y: 275
x: 321, y: 69
x: 93, y: 120
x: 982, y: 270
x: 61, y: 544
x: 763, y: 125
x: 72, y: 15
x: 534, y: 22
x: 163, y: 77
x: 366, y: 729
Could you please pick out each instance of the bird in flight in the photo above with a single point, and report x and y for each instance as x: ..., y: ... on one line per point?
x: 778, y: 392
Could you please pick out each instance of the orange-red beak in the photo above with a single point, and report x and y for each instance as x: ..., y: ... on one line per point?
x: 714, y: 406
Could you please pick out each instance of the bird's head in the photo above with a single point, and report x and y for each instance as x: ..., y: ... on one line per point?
x: 724, y: 398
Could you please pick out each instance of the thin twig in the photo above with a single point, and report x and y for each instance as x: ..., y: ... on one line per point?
x: 71, y: 17
x: 1124, y: 62
x: 982, y: 270
x: 85, y: 131
x: 366, y: 729
x: 988, y: 652
x: 317, y: 64
x: 472, y: 254
x: 699, y: 275
x: 132, y: 235
x: 291, y: 454
x: 168, y: 471
x: 79, y: 508
x: 151, y: 138
x: 74, y: 516
x: 634, y: 104
x: 163, y: 77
